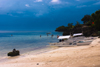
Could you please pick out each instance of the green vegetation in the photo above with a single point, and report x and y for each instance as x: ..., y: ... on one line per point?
x: 78, y: 24
x: 95, y: 17
x: 61, y: 28
x: 69, y: 26
x: 92, y: 21
x: 86, y: 18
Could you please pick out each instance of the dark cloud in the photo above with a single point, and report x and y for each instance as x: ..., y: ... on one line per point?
x: 43, y: 14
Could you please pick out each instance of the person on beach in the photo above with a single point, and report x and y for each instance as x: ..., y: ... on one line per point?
x: 40, y: 35
x: 14, y: 50
x: 52, y: 35
x: 57, y: 36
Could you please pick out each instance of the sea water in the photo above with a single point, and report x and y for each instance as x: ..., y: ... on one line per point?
x: 25, y: 41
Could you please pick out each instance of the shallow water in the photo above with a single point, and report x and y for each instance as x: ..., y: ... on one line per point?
x: 25, y: 41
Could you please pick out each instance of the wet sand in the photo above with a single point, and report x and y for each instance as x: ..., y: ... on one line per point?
x: 78, y: 56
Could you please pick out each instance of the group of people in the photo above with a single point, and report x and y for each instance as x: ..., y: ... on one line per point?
x: 47, y: 35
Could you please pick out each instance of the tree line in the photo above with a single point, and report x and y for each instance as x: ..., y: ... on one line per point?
x: 92, y: 20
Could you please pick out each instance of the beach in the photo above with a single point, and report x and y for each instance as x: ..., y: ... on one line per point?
x: 78, y: 56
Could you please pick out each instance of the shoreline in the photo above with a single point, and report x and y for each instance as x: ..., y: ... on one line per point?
x: 33, y: 52
x: 79, y: 56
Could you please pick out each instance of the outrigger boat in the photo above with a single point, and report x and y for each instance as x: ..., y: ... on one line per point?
x: 73, y: 41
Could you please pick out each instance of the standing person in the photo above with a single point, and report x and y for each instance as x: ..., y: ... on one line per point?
x: 47, y: 34
x: 52, y: 35
x: 14, y: 50
x: 40, y: 35
x: 57, y: 36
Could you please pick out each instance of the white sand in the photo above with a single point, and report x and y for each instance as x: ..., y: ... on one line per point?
x: 80, y: 56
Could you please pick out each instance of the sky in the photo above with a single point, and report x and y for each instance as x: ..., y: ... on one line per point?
x: 35, y: 15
